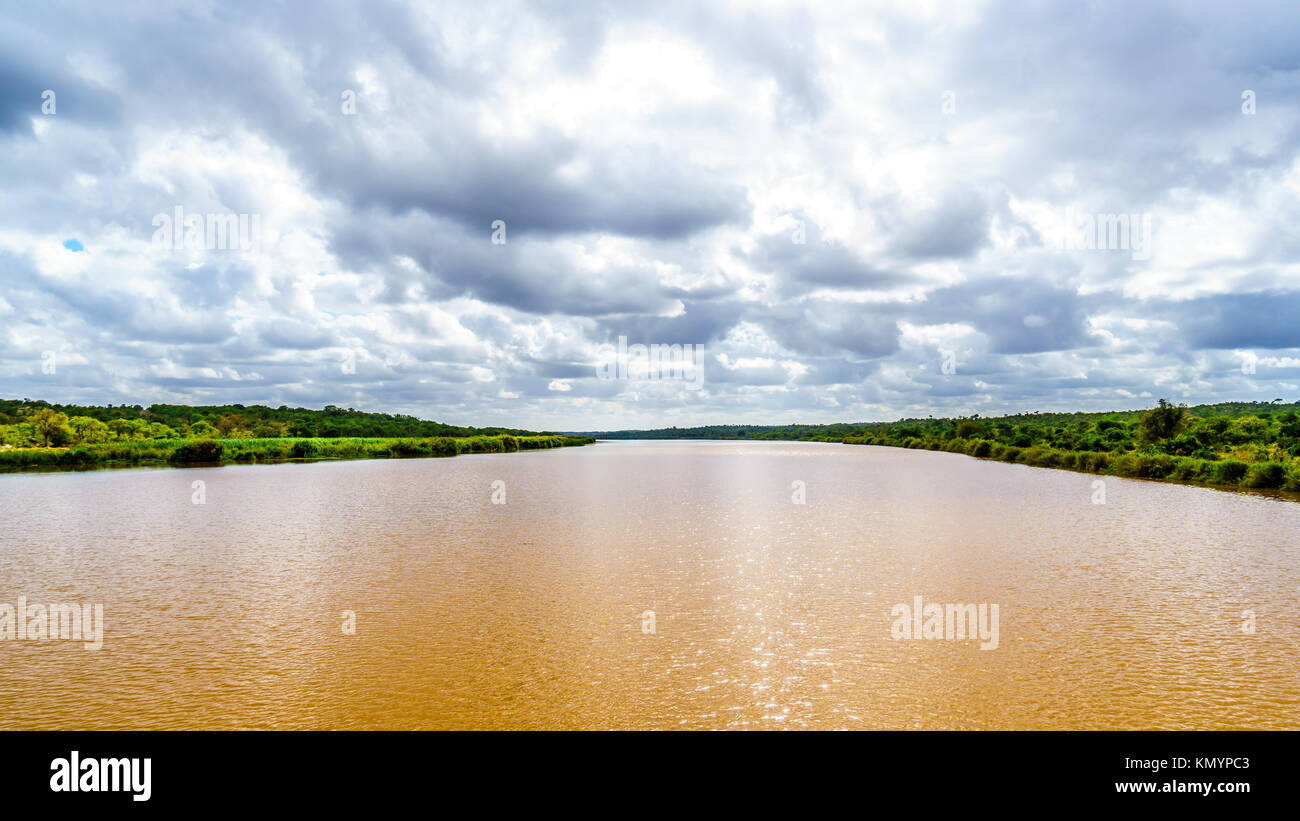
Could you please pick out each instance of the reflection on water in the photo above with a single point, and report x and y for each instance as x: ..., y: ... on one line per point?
x: 532, y: 614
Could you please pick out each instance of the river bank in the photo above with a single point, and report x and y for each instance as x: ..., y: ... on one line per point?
x: 1221, y: 474
x: 211, y: 451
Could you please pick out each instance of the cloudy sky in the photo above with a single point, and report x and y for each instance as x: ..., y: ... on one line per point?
x: 859, y: 213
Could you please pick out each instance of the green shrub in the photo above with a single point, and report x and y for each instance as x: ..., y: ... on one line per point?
x: 1293, y: 476
x: 1096, y: 462
x: 1265, y: 474
x: 304, y: 449
x: 1186, y: 469
x: 404, y: 447
x: 1048, y: 458
x: 1126, y: 464
x: 1154, y: 465
x: 1229, y: 471
x: 443, y: 446
x: 198, y: 450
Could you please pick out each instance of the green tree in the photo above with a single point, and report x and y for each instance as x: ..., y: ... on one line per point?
x: 157, y: 430
x: 128, y: 429
x: 51, y: 426
x: 230, y: 422
x: 21, y: 435
x: 1165, y: 421
x: 202, y: 430
x: 268, y: 430
x: 1248, y: 429
x: 87, y: 431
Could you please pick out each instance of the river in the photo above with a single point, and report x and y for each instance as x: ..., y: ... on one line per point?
x: 672, y: 584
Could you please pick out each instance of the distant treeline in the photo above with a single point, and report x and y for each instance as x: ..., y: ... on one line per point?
x: 1251, y: 444
x: 33, y: 423
x: 1023, y: 426
x: 812, y: 433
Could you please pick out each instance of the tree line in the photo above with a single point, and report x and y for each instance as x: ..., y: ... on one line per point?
x: 28, y: 423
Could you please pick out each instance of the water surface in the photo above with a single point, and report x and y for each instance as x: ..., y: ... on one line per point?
x: 767, y: 613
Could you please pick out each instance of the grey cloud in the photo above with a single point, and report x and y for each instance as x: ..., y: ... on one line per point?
x: 818, y: 263
x: 828, y: 328
x: 957, y: 226
x: 1262, y: 320
x: 1018, y: 314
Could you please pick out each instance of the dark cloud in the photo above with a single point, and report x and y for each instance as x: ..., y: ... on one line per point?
x: 801, y: 259
x: 820, y: 327
x: 1018, y: 315
x: 957, y: 227
x: 1269, y: 321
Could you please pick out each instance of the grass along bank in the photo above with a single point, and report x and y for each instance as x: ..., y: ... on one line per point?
x: 229, y: 451
x: 1280, y: 475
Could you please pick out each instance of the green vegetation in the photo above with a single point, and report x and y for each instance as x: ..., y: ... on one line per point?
x: 225, y: 451
x: 38, y: 434
x: 1243, y: 444
x: 28, y: 423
